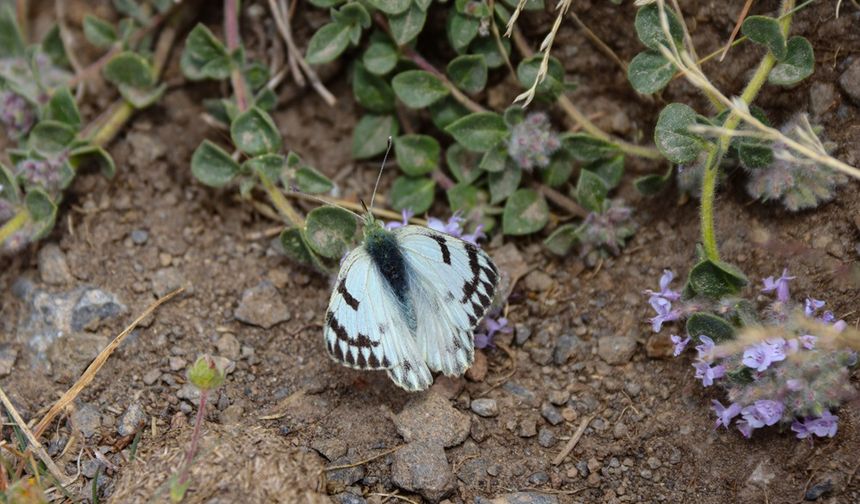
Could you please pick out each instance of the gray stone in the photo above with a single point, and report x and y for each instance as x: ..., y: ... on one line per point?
x: 232, y: 414
x: 485, y: 407
x: 528, y: 427
x: 339, y: 479
x: 422, y: 467
x: 522, y: 393
x: 616, y: 349
x: 262, y: 306
x: 559, y: 397
x: 538, y: 281
x: 87, y: 419
x: 818, y: 490
x: 151, y: 376
x: 539, y: 478
x: 546, y: 437
x: 330, y: 448
x: 8, y: 354
x: 523, y: 333
x: 551, y: 413
x: 566, y: 347
x: 53, y: 268
x: 93, y: 307
x: 176, y: 363
x: 167, y: 280
x: 348, y: 498
x: 139, y: 236
x: 822, y: 97
x: 228, y: 346
x: 525, y: 498
x: 90, y: 467
x: 850, y: 81
x: 132, y: 420
x: 432, y: 418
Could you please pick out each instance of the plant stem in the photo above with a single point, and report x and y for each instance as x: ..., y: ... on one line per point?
x: 11, y: 226
x: 280, y: 202
x: 195, y: 438
x: 231, y: 30
x: 715, y: 154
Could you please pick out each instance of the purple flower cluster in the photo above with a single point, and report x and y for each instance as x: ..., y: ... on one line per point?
x: 454, y: 226
x: 46, y: 173
x: 662, y: 303
x: 490, y: 326
x: 16, y: 113
x: 533, y: 142
x: 608, y: 229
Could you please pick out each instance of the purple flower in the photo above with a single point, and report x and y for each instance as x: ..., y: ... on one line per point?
x: 761, y: 355
x: 705, y: 348
x: 745, y: 428
x: 824, y: 426
x: 807, y: 341
x: 828, y: 317
x: 455, y: 227
x: 840, y: 325
x: 708, y: 374
x: 763, y: 412
x: 475, y: 236
x: 663, y: 307
x: 407, y: 214
x: 665, y: 291
x: 812, y: 305
x: 680, y: 344
x: 791, y: 346
x: 794, y: 384
x: 780, y: 285
x: 725, y: 415
x: 490, y: 326
x: 533, y: 142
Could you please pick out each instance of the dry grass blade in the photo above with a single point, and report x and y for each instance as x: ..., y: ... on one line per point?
x: 55, y: 471
x: 571, y: 444
x: 513, y: 21
x: 97, y: 364
x: 737, y: 28
x: 546, y: 48
x: 362, y: 462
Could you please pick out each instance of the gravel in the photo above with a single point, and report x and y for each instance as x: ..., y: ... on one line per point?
x: 485, y: 407
x: 262, y: 306
x: 423, y: 467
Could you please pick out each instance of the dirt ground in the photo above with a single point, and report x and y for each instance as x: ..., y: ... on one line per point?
x: 287, y: 411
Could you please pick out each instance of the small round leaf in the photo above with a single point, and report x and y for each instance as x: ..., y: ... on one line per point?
x: 671, y: 134
x: 417, y: 154
x: 370, y: 136
x: 418, y: 88
x: 798, y: 64
x: 413, y: 193
x: 479, y: 132
x: 327, y: 43
x: 468, y: 72
x: 649, y: 72
x: 525, y: 212
x: 212, y: 166
x: 254, y: 133
x: 329, y: 230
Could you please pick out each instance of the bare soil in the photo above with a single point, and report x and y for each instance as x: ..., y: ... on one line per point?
x: 652, y: 437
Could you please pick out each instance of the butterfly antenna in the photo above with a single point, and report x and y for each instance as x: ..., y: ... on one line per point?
x: 379, y: 177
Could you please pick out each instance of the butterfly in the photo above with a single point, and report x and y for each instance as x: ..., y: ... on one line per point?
x: 407, y: 301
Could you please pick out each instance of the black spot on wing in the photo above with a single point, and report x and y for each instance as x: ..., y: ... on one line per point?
x: 443, y: 247
x: 360, y: 341
x: 385, y: 362
x: 361, y: 362
x: 338, y: 352
x: 351, y: 301
x: 491, y: 273
x: 372, y: 360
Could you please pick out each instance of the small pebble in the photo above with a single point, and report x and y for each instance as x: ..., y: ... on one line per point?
x: 551, y: 413
x: 546, y: 437
x: 485, y: 407
x: 139, y: 236
x: 528, y: 427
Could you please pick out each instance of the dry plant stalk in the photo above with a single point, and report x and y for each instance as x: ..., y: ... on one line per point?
x: 545, y: 48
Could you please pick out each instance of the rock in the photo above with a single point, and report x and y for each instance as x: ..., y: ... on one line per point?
x: 176, y: 363
x: 151, y: 376
x: 525, y: 498
x: 616, y: 349
x: 8, y: 354
x: 348, y: 498
x: 551, y: 413
x: 146, y: 148
x: 232, y: 414
x: 53, y: 267
x: 139, y: 236
x: 167, y: 280
x: 620, y: 430
x: 338, y: 479
x: 822, y: 97
x: 448, y: 387
x: 330, y: 448
x: 93, y: 307
x: 850, y: 81
x: 478, y: 431
x: 432, y: 418
x: 228, y: 346
x: 523, y: 333
x: 659, y: 346
x: 422, y: 467
x: 537, y: 281
x: 566, y: 347
x: 262, y: 306
x: 132, y: 420
x: 86, y: 419
x: 522, y: 393
x: 189, y: 392
x: 485, y: 407
x: 818, y: 489
x: 559, y: 397
x: 528, y: 427
x: 478, y: 371
x: 539, y: 478
x: 90, y: 467
x: 546, y: 437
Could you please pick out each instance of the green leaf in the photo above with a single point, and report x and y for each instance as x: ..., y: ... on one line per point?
x: 526, y: 212
x: 591, y: 191
x: 52, y: 45
x: 799, y: 63
x: 40, y: 206
x: 8, y: 185
x: 131, y: 9
x: 418, y: 88
x: 89, y: 153
x: 130, y: 69
x: 710, y: 325
x: 649, y: 72
x: 380, y: 57
x: 587, y: 148
x: 765, y: 31
x: 461, y: 30
x: 552, y: 85
x: 468, y: 72
x: 502, y: 184
x: 371, y: 91
x: 391, y: 6
x: 142, y: 97
x: 256, y: 75
x: 559, y: 169
x: 610, y: 170
x: 254, y: 133
x: 495, y: 159
x: 329, y: 42
x: 417, y: 154
x: 11, y: 41
x: 204, y: 56
x: 325, y: 4
x: 212, y: 166
x: 446, y: 111
x: 353, y: 14
x: 530, y: 5
x: 474, y: 8
x: 479, y: 132
x: 370, y: 136
x: 755, y: 155
x: 716, y: 279
x: 329, y: 231
x: 650, y: 29
x: 311, y: 181
x: 51, y: 137
x: 514, y: 115
x: 270, y: 166
x: 296, y: 248
x: 98, y: 32
x: 489, y: 49
x: 462, y: 197
x: 672, y: 137
x: 463, y: 164
x: 407, y: 25
x: 62, y: 108
x: 266, y: 99
x: 413, y: 193
x: 562, y: 239
x: 649, y: 185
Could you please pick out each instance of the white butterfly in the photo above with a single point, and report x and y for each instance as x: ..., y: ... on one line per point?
x: 407, y: 301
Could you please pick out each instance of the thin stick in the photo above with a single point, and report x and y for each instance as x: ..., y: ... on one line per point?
x: 741, y: 17
x: 34, y: 442
x: 561, y: 200
x: 572, y: 442
x: 362, y: 462
x: 597, y: 41
x: 282, y: 22
x: 97, y: 364
x: 379, y: 175
x: 395, y: 496
x: 231, y: 29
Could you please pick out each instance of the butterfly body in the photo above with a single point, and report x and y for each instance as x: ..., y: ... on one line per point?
x: 407, y: 301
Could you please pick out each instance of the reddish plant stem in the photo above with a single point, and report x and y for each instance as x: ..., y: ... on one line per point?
x: 195, y: 438
x: 231, y: 31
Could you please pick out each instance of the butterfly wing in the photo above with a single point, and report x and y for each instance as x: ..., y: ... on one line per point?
x: 365, y: 329
x: 452, y: 284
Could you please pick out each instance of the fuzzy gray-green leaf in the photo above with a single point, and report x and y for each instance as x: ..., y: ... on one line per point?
x: 370, y: 136
x: 413, y: 193
x: 212, y: 166
x: 254, y: 133
x: 672, y: 137
x: 479, y: 131
x: 417, y: 154
x: 418, y: 88
x: 649, y: 72
x: 329, y: 231
x: 525, y: 212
